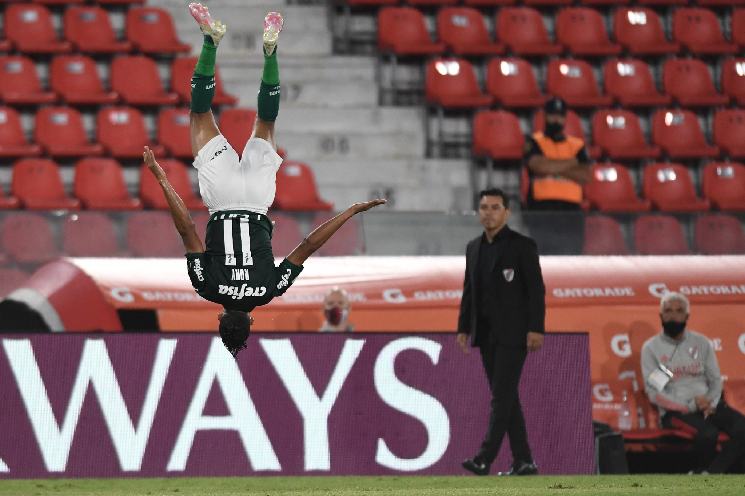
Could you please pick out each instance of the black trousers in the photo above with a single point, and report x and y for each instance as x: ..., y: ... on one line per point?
x: 724, y: 419
x: 503, y: 367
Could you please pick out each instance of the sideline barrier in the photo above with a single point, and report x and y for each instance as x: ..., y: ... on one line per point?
x: 149, y: 405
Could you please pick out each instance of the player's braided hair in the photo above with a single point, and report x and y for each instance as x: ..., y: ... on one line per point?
x: 235, y: 326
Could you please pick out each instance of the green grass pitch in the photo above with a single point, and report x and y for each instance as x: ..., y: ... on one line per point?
x: 679, y: 485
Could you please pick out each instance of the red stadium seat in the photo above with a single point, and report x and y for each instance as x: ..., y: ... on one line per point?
x: 10, y: 280
x: 729, y: 131
x: 151, y: 193
x: 489, y: 3
x: 689, y: 82
x: 286, y: 234
x: 630, y: 82
x: 574, y: 81
x: 56, y: 2
x: 90, y: 234
x: 38, y: 185
x: 60, y: 131
x: 120, y: 2
x: 738, y: 27
x: 174, y: 132
x: 90, y: 31
x: 19, y: 83
x: 659, y: 235
x: 8, y: 203
x: 699, y: 31
x: 13, y: 142
x: 76, y: 79
x: 719, y: 234
x: 237, y: 124
x: 465, y: 33
x: 619, y: 134
x: 29, y: 27
x: 663, y: 2
x: 497, y: 134
x: 296, y: 188
x: 611, y: 189
x: 669, y: 187
x: 724, y: 185
x: 603, y: 236
x: 5, y: 46
x: 121, y: 130
x: 572, y: 127
x: 582, y: 30
x: 28, y: 238
x: 431, y: 3
x: 733, y: 79
x: 181, y: 72
x: 152, y: 234
x: 146, y: 88
x: 346, y: 241
x: 371, y: 3
x: 151, y: 30
x: 679, y: 134
x: 403, y: 31
x: 639, y: 30
x: 512, y: 83
x: 99, y: 183
x: 452, y: 83
x: 547, y: 3
x: 523, y: 31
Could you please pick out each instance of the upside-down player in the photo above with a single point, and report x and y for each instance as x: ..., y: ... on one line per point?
x: 237, y: 269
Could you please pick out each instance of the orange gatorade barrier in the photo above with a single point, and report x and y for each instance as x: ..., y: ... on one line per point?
x: 615, y: 299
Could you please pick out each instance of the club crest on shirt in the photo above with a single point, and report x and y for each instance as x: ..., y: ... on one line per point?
x: 509, y: 274
x: 693, y: 352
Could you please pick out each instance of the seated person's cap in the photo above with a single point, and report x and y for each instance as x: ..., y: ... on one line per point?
x: 555, y: 106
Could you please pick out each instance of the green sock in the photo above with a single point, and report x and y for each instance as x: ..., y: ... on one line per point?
x: 206, y: 63
x: 271, y: 69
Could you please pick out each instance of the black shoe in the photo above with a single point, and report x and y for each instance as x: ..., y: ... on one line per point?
x: 521, y: 468
x: 476, y: 466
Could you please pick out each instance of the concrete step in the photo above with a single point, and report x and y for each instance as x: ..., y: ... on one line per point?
x: 312, y: 146
x: 300, y: 118
x: 337, y: 69
x: 415, y: 172
x: 310, y: 94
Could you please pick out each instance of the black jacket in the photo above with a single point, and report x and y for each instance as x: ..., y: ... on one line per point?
x: 521, y: 305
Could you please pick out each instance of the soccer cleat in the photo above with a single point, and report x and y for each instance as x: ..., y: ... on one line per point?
x: 521, y: 468
x: 476, y: 466
x: 273, y: 23
x: 210, y: 27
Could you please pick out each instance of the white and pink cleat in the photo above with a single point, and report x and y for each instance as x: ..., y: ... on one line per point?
x: 273, y: 23
x: 210, y: 27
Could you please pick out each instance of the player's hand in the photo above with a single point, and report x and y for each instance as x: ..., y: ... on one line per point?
x: 152, y: 164
x: 462, y: 340
x: 702, y: 402
x: 534, y: 341
x: 364, y: 206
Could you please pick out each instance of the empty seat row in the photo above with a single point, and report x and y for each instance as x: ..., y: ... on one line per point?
x: 120, y: 132
x: 714, y: 234
x: 618, y: 135
x: 75, y: 79
x: 29, y: 238
x: 579, y: 30
x: 30, y: 29
x: 99, y: 185
x: 511, y: 82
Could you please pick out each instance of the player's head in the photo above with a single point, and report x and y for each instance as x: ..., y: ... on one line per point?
x: 235, y: 326
x: 556, y: 113
x: 494, y: 208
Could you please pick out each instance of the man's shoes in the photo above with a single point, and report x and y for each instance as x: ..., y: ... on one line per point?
x: 273, y: 23
x: 476, y: 466
x: 521, y: 468
x: 210, y: 27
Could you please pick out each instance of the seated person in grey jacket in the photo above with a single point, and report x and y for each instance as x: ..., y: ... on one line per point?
x: 682, y: 378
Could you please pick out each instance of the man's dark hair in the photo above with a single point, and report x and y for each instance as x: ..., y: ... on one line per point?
x: 495, y: 192
x: 235, y: 326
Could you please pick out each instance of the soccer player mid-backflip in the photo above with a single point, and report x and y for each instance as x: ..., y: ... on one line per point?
x: 237, y: 268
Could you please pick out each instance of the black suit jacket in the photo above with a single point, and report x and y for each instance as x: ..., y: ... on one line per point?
x: 521, y: 304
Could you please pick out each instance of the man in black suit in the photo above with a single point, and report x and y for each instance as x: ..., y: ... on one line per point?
x: 502, y: 310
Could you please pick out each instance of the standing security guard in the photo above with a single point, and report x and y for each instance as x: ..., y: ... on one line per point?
x: 503, y: 310
x: 558, y: 166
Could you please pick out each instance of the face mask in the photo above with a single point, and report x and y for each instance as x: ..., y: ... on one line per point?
x: 673, y: 329
x: 335, y: 315
x: 553, y: 129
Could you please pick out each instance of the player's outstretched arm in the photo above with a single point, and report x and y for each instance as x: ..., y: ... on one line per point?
x: 322, y: 233
x: 181, y: 217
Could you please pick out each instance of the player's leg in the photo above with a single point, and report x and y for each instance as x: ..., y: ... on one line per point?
x: 268, y: 99
x: 203, y: 125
